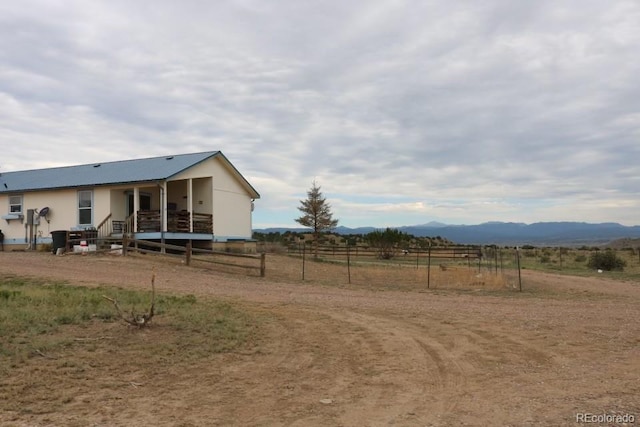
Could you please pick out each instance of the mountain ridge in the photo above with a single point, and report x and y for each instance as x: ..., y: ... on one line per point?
x: 552, y: 233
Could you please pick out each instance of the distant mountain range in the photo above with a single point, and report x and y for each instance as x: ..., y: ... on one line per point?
x: 508, y: 233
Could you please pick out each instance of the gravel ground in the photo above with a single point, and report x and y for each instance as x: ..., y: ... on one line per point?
x: 372, y: 355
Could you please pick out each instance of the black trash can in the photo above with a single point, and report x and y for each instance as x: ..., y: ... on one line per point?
x: 59, y: 238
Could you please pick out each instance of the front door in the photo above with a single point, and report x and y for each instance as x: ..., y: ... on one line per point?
x: 145, y: 202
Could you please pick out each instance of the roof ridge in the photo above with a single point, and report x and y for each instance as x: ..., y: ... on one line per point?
x: 112, y: 162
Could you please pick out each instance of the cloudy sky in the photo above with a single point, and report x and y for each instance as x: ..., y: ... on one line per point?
x: 404, y: 112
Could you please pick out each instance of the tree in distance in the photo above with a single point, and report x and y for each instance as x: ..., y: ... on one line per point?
x: 386, y: 242
x: 316, y: 214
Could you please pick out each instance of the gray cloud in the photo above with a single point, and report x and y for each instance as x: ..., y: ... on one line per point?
x: 404, y: 111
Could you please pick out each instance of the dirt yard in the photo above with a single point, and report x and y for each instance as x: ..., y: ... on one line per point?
x: 358, y: 356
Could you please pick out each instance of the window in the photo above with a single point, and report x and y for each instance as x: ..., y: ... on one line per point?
x: 85, y: 207
x: 15, y: 204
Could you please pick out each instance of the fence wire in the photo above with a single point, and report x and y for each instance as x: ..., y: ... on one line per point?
x: 415, y: 268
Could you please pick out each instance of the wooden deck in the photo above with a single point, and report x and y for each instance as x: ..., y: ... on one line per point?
x: 177, y: 222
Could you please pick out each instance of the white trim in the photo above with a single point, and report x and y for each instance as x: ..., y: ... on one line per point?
x: 163, y: 206
x: 136, y: 207
x: 16, y: 204
x: 79, y: 208
x: 190, y: 203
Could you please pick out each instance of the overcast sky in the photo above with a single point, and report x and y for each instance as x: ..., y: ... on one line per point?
x: 404, y: 112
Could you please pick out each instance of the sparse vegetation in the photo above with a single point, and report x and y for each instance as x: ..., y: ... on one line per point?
x: 606, y: 260
x: 554, y: 259
x: 387, y: 242
x: 285, y: 343
x: 580, y: 258
x: 277, y: 242
x: 575, y: 261
x: 545, y: 259
x: 35, y: 315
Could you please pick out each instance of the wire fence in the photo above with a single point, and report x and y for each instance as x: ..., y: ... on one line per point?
x: 430, y: 267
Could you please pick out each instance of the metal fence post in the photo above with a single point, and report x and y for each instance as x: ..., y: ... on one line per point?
x: 304, y: 251
x: 429, y: 267
x: 519, y: 275
x: 349, y: 263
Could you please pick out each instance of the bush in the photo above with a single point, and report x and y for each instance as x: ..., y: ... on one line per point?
x: 386, y: 242
x: 607, y: 261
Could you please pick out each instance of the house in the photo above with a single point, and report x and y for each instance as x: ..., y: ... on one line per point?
x: 198, y: 197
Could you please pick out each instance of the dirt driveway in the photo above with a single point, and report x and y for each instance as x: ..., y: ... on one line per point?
x: 352, y: 356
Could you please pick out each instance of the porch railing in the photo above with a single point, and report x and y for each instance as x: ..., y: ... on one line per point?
x: 177, y: 222
x: 202, y: 223
x: 148, y: 221
x: 128, y: 224
x: 109, y: 226
x: 105, y: 228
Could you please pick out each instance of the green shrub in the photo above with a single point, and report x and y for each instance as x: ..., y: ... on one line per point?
x: 607, y: 261
x: 580, y: 258
x: 387, y: 242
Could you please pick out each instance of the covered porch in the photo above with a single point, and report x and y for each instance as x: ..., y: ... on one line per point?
x: 181, y: 209
x: 150, y: 221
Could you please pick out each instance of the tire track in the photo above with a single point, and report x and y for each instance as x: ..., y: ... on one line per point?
x: 417, y: 376
x: 435, y: 370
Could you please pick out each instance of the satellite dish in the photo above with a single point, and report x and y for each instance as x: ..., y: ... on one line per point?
x: 44, y: 211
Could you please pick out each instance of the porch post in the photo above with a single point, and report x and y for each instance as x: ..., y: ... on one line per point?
x: 190, y: 203
x: 163, y: 206
x: 213, y: 208
x: 136, y: 208
x: 163, y: 216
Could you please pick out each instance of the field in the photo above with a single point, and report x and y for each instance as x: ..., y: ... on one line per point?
x: 234, y: 349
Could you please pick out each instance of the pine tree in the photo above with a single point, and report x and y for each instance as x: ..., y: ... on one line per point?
x: 316, y: 214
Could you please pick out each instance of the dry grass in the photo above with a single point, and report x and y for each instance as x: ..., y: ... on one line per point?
x: 64, y: 347
x: 363, y: 272
x: 372, y: 274
x: 495, y: 271
x: 454, y: 357
x: 402, y: 273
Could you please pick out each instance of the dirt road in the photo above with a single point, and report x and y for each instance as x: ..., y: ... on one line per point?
x: 352, y: 356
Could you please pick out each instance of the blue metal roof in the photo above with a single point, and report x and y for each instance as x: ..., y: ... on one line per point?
x: 106, y: 173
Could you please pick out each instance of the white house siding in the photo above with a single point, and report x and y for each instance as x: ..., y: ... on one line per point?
x: 231, y: 204
x: 202, y: 190
x: 118, y: 201
x: 232, y: 216
x: 63, y: 214
x: 101, y: 204
x: 201, y: 170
